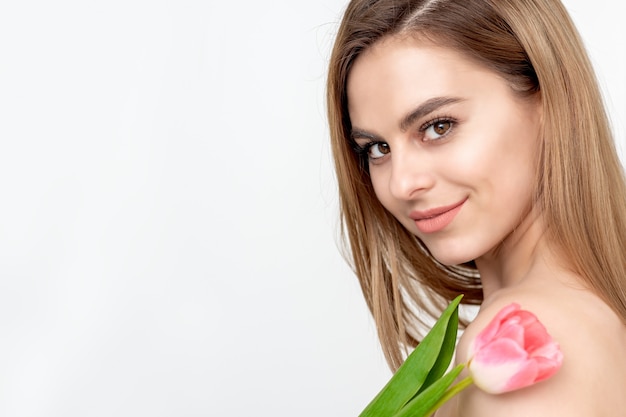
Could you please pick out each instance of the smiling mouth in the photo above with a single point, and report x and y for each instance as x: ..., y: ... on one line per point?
x: 434, y: 220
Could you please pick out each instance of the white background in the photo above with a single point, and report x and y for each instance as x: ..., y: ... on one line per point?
x: 168, y: 209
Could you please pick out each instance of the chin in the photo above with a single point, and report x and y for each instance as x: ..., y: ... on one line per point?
x: 451, y: 257
x: 453, y: 261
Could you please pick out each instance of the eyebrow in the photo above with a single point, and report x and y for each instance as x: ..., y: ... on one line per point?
x: 426, y: 108
x: 422, y: 110
x: 357, y: 133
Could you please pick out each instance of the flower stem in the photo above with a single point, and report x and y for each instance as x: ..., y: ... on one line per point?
x: 460, y: 386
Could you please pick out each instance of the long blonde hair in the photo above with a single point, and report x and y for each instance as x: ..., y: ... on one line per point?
x: 580, y: 186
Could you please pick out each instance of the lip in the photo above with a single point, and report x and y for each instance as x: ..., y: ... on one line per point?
x: 436, y: 219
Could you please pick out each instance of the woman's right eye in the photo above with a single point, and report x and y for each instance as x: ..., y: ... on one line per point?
x: 377, y: 150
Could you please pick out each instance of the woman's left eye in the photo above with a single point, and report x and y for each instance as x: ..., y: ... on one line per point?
x: 437, y: 129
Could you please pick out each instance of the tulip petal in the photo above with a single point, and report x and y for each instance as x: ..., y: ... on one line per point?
x: 526, y: 375
x: 492, y: 379
x: 512, y: 330
x: 535, y: 334
x: 549, y: 350
x: 547, y: 367
x: 495, y: 364
x: 490, y: 331
x: 513, y: 352
x: 500, y: 351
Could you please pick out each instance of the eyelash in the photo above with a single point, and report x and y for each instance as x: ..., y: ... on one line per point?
x: 433, y: 122
x: 363, y: 151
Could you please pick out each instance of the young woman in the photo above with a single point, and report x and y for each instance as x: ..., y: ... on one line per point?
x: 473, y: 156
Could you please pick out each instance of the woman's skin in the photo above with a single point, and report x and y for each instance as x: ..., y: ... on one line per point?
x: 452, y: 152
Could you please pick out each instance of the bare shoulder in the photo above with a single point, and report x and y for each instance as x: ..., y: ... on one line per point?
x: 591, y: 379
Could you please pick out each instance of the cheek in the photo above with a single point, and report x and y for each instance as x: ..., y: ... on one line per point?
x: 380, y: 183
x: 505, y: 175
x: 503, y: 157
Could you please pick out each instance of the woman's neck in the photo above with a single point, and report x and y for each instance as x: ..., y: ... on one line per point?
x: 512, y: 261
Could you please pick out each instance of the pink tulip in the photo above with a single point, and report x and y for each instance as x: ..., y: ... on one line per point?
x: 513, y: 352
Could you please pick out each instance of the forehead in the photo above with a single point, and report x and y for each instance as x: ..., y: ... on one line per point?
x: 400, y: 52
x: 399, y: 73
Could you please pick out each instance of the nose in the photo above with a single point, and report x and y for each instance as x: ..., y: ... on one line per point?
x: 411, y: 174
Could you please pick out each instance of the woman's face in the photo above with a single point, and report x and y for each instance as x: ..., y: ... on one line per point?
x: 452, y: 150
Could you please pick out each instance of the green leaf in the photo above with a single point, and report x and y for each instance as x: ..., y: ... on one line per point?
x: 425, y: 364
x: 446, y: 353
x: 421, y: 406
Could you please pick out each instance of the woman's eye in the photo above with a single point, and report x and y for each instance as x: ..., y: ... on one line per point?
x: 377, y: 150
x: 437, y: 129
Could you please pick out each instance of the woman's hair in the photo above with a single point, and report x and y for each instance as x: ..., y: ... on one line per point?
x: 580, y: 187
